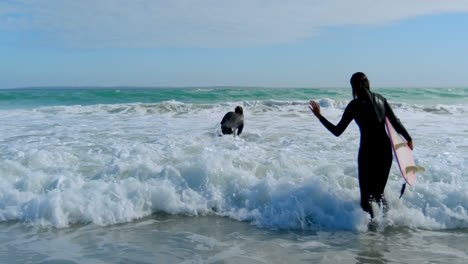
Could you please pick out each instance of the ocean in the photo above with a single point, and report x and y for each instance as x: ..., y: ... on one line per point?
x: 133, y: 175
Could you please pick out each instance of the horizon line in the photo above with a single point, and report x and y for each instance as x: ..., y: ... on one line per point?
x: 110, y: 87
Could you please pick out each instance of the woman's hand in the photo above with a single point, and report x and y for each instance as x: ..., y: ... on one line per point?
x: 315, y: 108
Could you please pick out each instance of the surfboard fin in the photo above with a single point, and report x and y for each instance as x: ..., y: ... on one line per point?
x: 414, y: 169
x: 401, y: 145
x: 402, y: 189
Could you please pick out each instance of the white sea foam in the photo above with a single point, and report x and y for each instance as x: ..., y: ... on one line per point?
x: 107, y: 164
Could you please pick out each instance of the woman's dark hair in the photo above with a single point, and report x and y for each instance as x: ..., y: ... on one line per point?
x: 239, y: 110
x: 360, y: 84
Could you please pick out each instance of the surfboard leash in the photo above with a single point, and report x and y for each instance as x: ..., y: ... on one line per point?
x: 402, y: 189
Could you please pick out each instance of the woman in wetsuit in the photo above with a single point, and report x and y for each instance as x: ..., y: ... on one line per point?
x: 369, y: 110
x: 233, y: 121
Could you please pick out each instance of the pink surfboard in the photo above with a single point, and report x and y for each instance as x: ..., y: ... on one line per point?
x: 403, y: 154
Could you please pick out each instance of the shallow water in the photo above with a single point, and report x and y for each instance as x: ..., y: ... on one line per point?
x: 210, y: 239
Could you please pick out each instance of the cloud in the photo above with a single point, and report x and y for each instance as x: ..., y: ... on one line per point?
x: 200, y: 23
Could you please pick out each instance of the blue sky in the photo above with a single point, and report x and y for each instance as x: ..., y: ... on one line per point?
x: 274, y: 43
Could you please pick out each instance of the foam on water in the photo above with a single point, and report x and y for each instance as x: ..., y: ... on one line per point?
x: 107, y: 164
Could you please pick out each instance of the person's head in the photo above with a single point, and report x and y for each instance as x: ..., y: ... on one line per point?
x: 359, y: 83
x: 239, y: 110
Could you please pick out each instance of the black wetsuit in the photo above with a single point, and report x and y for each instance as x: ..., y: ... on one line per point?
x: 375, y: 151
x: 232, y: 121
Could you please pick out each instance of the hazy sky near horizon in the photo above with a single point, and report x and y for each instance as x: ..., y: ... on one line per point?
x: 270, y: 43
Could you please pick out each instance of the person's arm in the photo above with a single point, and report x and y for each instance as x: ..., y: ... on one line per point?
x: 342, y: 125
x: 240, y: 128
x: 396, y: 123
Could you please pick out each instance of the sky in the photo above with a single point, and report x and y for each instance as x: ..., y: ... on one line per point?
x: 265, y: 43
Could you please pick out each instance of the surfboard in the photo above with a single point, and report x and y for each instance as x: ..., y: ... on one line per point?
x: 403, y: 154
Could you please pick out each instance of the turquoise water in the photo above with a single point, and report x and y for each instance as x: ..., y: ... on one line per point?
x: 30, y: 98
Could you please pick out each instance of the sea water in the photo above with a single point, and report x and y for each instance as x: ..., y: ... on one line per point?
x: 127, y: 175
